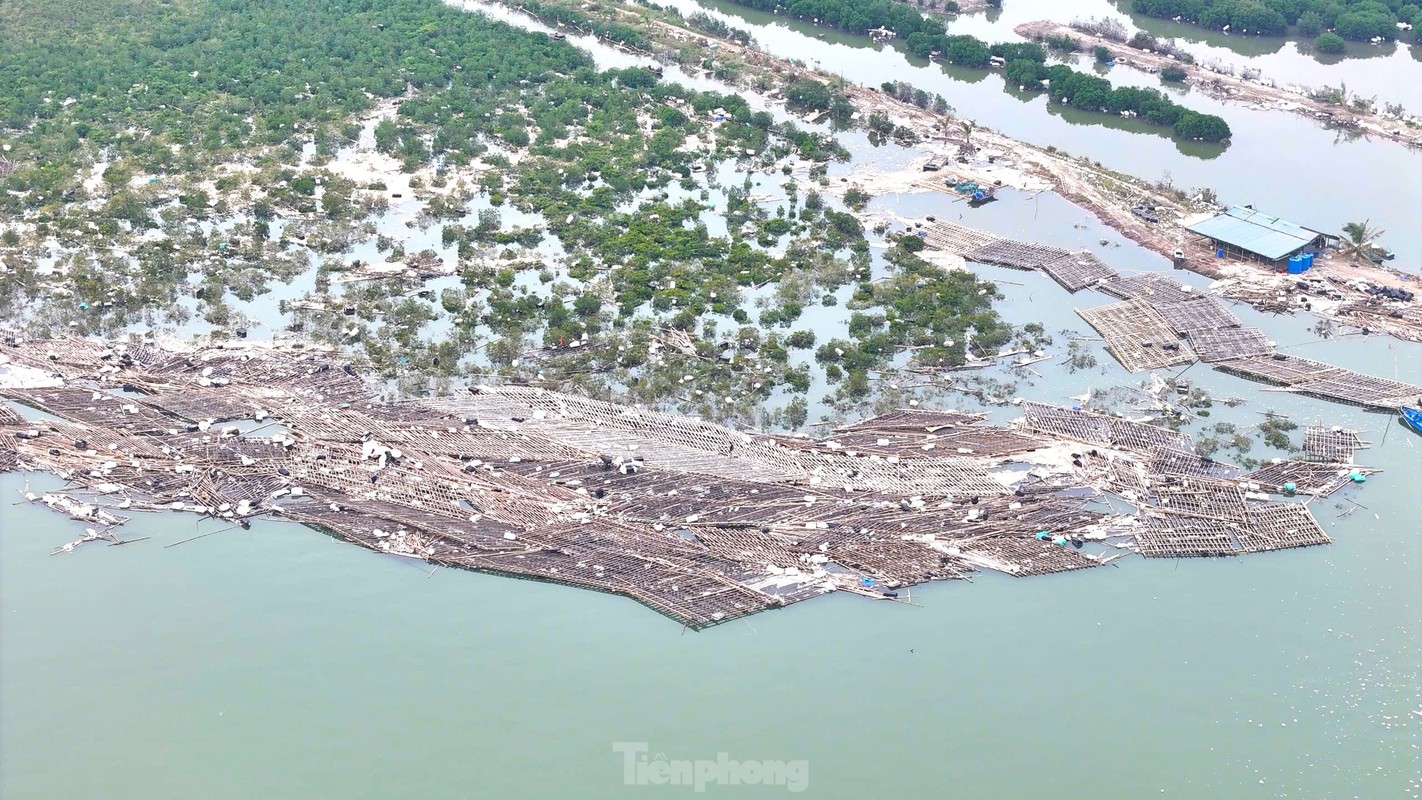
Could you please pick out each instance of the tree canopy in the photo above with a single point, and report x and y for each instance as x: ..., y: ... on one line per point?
x: 161, y: 83
x: 1025, y: 62
x: 1359, y: 20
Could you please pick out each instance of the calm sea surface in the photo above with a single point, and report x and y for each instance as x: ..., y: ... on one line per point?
x: 278, y: 662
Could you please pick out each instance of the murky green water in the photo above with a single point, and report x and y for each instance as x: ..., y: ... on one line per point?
x: 279, y: 662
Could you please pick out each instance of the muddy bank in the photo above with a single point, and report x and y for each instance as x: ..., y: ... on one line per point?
x: 1338, y: 289
x: 1256, y: 91
x: 964, y: 7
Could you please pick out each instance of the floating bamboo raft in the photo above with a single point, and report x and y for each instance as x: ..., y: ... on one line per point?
x: 1280, y: 369
x: 1308, y: 477
x: 1162, y: 322
x: 957, y: 239
x: 1231, y: 530
x: 1137, y: 335
x: 698, y: 521
x: 1073, y: 270
x: 1015, y: 254
x: 1077, y: 271
x: 1225, y: 344
x: 1335, y: 445
x: 1149, y: 286
x: 1201, y: 313
x: 1317, y: 379
x: 1144, y: 332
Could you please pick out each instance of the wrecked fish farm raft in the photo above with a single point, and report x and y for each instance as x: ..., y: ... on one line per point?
x: 1161, y: 322
x: 697, y: 521
x: 1336, y: 293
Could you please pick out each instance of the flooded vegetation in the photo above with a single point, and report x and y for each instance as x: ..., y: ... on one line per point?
x: 1374, y: 21
x: 1111, y: 42
x: 1023, y: 65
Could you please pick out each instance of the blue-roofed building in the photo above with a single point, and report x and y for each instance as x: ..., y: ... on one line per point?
x: 1243, y: 232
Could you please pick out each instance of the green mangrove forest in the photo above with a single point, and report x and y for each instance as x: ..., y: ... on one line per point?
x: 1356, y: 20
x: 205, y: 168
x: 1025, y: 63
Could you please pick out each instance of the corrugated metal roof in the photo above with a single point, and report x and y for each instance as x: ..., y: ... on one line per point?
x: 1245, y: 228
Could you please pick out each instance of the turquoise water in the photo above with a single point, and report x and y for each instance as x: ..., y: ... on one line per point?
x: 278, y: 662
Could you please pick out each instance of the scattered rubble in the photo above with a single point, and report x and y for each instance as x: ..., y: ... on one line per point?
x: 697, y: 521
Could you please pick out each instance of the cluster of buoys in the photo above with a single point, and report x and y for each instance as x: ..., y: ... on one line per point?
x: 1061, y: 541
x: 626, y: 466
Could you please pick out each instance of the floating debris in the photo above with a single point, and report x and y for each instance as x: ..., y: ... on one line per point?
x: 697, y: 521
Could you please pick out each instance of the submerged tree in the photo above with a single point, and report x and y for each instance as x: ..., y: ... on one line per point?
x: 1329, y: 42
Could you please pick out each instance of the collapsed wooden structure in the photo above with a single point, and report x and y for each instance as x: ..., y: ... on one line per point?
x: 1325, y: 381
x: 1197, y: 314
x: 1332, y: 444
x: 1074, y: 270
x: 698, y: 521
x: 1161, y: 322
x: 1137, y: 335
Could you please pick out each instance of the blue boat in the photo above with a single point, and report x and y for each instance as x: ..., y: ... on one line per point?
x: 1412, y: 418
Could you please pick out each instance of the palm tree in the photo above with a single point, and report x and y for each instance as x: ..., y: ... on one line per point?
x: 1358, y: 239
x: 967, y: 126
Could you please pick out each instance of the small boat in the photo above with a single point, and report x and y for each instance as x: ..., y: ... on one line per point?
x: 982, y: 197
x: 1412, y: 418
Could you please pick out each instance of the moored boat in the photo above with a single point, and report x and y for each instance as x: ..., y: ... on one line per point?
x: 1412, y: 418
